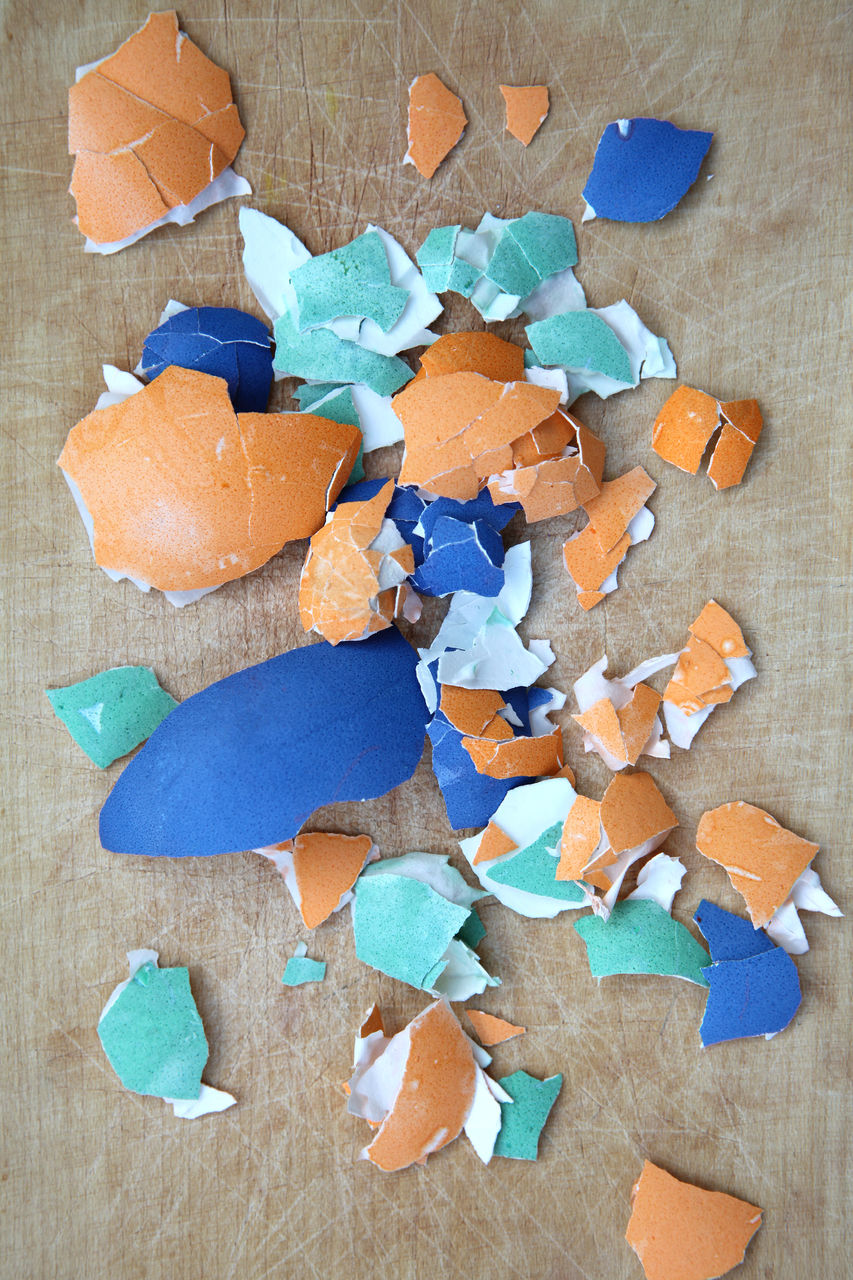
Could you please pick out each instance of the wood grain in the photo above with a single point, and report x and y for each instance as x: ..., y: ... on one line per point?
x: 748, y: 279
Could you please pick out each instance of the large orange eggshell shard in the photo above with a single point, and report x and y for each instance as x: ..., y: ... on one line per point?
x: 634, y: 811
x: 580, y: 837
x: 526, y: 109
x: 682, y: 1232
x: 589, y: 567
x: 519, y: 757
x: 602, y: 722
x: 184, y: 493
x: 437, y: 121
x: 436, y: 1092
x: 684, y: 426
x: 718, y: 629
x: 325, y: 865
x: 459, y: 429
x: 474, y: 352
x: 150, y: 126
x: 762, y: 858
x: 491, y: 1030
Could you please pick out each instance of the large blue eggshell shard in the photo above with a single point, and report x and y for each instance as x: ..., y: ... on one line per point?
x: 222, y: 341
x: 642, y: 168
x: 250, y: 758
x: 757, y: 996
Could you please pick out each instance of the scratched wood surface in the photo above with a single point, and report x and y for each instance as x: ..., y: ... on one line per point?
x: 748, y: 281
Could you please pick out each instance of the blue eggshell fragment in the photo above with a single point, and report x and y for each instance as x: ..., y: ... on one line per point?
x: 222, y: 341
x: 642, y: 168
x: 729, y: 937
x: 250, y: 758
x: 754, y: 997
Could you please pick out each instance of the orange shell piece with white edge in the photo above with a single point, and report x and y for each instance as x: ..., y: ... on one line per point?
x: 517, y: 757
x: 459, y: 429
x: 682, y: 1232
x: 150, y: 127
x: 762, y: 858
x: 435, y: 1096
x: 580, y: 838
x: 185, y: 493
x: 325, y: 866
x: 437, y: 121
x: 684, y: 426
x: 527, y: 107
x: 633, y: 811
x: 339, y: 592
x: 742, y: 423
x: 494, y: 843
x: 592, y: 555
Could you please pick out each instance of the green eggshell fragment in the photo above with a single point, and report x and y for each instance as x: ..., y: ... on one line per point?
x: 533, y: 869
x: 153, y: 1035
x: 300, y: 969
x: 354, y: 280
x: 403, y: 927
x: 321, y: 355
x: 523, y: 1119
x: 111, y: 713
x: 641, y: 937
x: 580, y: 340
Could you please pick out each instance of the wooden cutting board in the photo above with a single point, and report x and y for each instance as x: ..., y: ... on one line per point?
x: 747, y: 280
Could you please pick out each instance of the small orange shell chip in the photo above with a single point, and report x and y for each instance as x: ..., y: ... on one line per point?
x: 437, y: 121
x: 527, y: 107
x: 491, y: 1030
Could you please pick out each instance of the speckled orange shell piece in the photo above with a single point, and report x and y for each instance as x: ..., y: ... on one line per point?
x: 742, y: 423
x: 185, y: 493
x: 526, y: 109
x: 474, y: 711
x: 494, y: 844
x: 437, y: 121
x: 579, y: 841
x: 701, y: 677
x: 634, y: 811
x: 682, y: 1232
x: 491, y: 1030
x: 684, y: 426
x: 150, y: 127
x: 459, y: 429
x: 325, y: 865
x: 520, y: 757
x: 474, y: 352
x: 436, y: 1093
x: 339, y: 595
x: 762, y: 858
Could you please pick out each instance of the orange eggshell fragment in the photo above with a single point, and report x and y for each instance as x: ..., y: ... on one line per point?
x: 493, y: 844
x: 602, y: 721
x: 613, y: 509
x: 634, y: 811
x: 718, y: 629
x: 436, y: 1092
x: 700, y: 668
x: 579, y: 841
x: 548, y: 440
x: 729, y: 459
x: 184, y: 493
x: 437, y: 121
x: 471, y: 710
x: 491, y: 1030
x: 527, y: 107
x: 326, y: 865
x: 682, y: 1232
x: 637, y: 720
x: 589, y: 566
x: 519, y: 757
x: 151, y: 126
x: 762, y: 858
x: 745, y: 416
x: 459, y: 428
x: 684, y: 426
x: 474, y: 352
x: 339, y: 594
x: 550, y: 488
